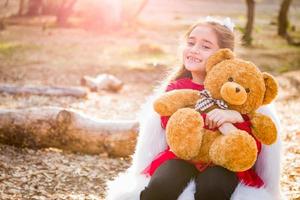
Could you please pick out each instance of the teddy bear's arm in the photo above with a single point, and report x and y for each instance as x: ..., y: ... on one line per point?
x: 170, y: 102
x: 263, y: 128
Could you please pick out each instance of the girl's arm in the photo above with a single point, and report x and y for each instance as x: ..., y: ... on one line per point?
x: 217, y: 117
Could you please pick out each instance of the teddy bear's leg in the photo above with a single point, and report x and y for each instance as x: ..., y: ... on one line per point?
x: 184, y: 134
x: 236, y: 151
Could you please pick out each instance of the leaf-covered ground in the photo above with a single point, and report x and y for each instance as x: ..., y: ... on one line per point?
x: 51, y: 174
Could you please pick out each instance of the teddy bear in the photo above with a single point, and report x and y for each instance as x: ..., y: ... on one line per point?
x: 230, y: 83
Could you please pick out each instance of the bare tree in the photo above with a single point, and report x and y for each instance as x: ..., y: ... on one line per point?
x: 283, y: 22
x: 21, y: 7
x: 34, y: 7
x: 139, y: 10
x: 2, y: 26
x: 64, y: 11
x: 247, y: 37
x: 283, y: 17
x: 6, y: 3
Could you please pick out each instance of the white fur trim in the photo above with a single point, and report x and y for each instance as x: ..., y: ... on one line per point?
x: 188, y: 192
x: 127, y: 186
x: 243, y: 192
x: 151, y: 139
x: 268, y: 163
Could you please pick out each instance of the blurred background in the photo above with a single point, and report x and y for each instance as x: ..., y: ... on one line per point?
x: 120, y: 50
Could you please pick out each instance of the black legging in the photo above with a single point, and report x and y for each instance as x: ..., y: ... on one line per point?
x: 171, y: 178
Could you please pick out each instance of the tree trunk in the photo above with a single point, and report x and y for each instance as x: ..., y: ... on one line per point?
x: 283, y: 23
x: 44, y: 90
x: 129, y: 15
x: 21, y: 8
x: 64, y: 12
x: 2, y: 26
x: 283, y: 18
x: 68, y: 130
x: 247, y: 37
x: 141, y: 7
x: 6, y: 3
x: 50, y: 7
x: 34, y: 7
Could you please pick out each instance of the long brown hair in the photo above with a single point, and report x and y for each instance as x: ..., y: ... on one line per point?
x: 225, y: 40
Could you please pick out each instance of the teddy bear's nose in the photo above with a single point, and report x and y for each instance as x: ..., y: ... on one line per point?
x: 237, y: 90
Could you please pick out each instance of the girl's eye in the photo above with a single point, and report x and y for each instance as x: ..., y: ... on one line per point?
x: 247, y: 90
x: 190, y: 43
x: 205, y: 47
x: 230, y: 79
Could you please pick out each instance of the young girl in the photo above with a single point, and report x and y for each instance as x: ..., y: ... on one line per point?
x: 156, y: 173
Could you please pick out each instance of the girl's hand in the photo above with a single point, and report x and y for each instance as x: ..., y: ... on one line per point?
x: 217, y: 117
x: 226, y: 128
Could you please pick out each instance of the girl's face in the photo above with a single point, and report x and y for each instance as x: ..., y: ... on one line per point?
x: 201, y: 43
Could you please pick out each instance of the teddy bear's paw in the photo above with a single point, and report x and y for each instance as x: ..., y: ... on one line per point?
x: 183, y: 131
x: 264, y: 129
x: 236, y: 151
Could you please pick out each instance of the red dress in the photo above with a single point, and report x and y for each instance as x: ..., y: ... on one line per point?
x: 248, y: 177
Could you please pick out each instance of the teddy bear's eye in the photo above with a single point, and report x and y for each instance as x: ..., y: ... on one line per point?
x: 230, y: 79
x: 247, y: 90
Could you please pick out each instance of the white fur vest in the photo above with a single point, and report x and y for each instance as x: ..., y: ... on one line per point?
x: 151, y: 141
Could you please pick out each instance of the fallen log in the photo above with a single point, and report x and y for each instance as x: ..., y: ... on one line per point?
x: 68, y: 130
x: 102, y: 82
x: 78, y: 92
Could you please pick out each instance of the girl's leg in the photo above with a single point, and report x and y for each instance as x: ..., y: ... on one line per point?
x: 215, y: 183
x: 169, y: 180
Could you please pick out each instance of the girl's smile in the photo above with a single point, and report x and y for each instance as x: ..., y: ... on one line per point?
x: 193, y: 59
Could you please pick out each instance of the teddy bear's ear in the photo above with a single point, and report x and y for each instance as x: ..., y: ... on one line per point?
x: 271, y: 88
x: 217, y: 57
